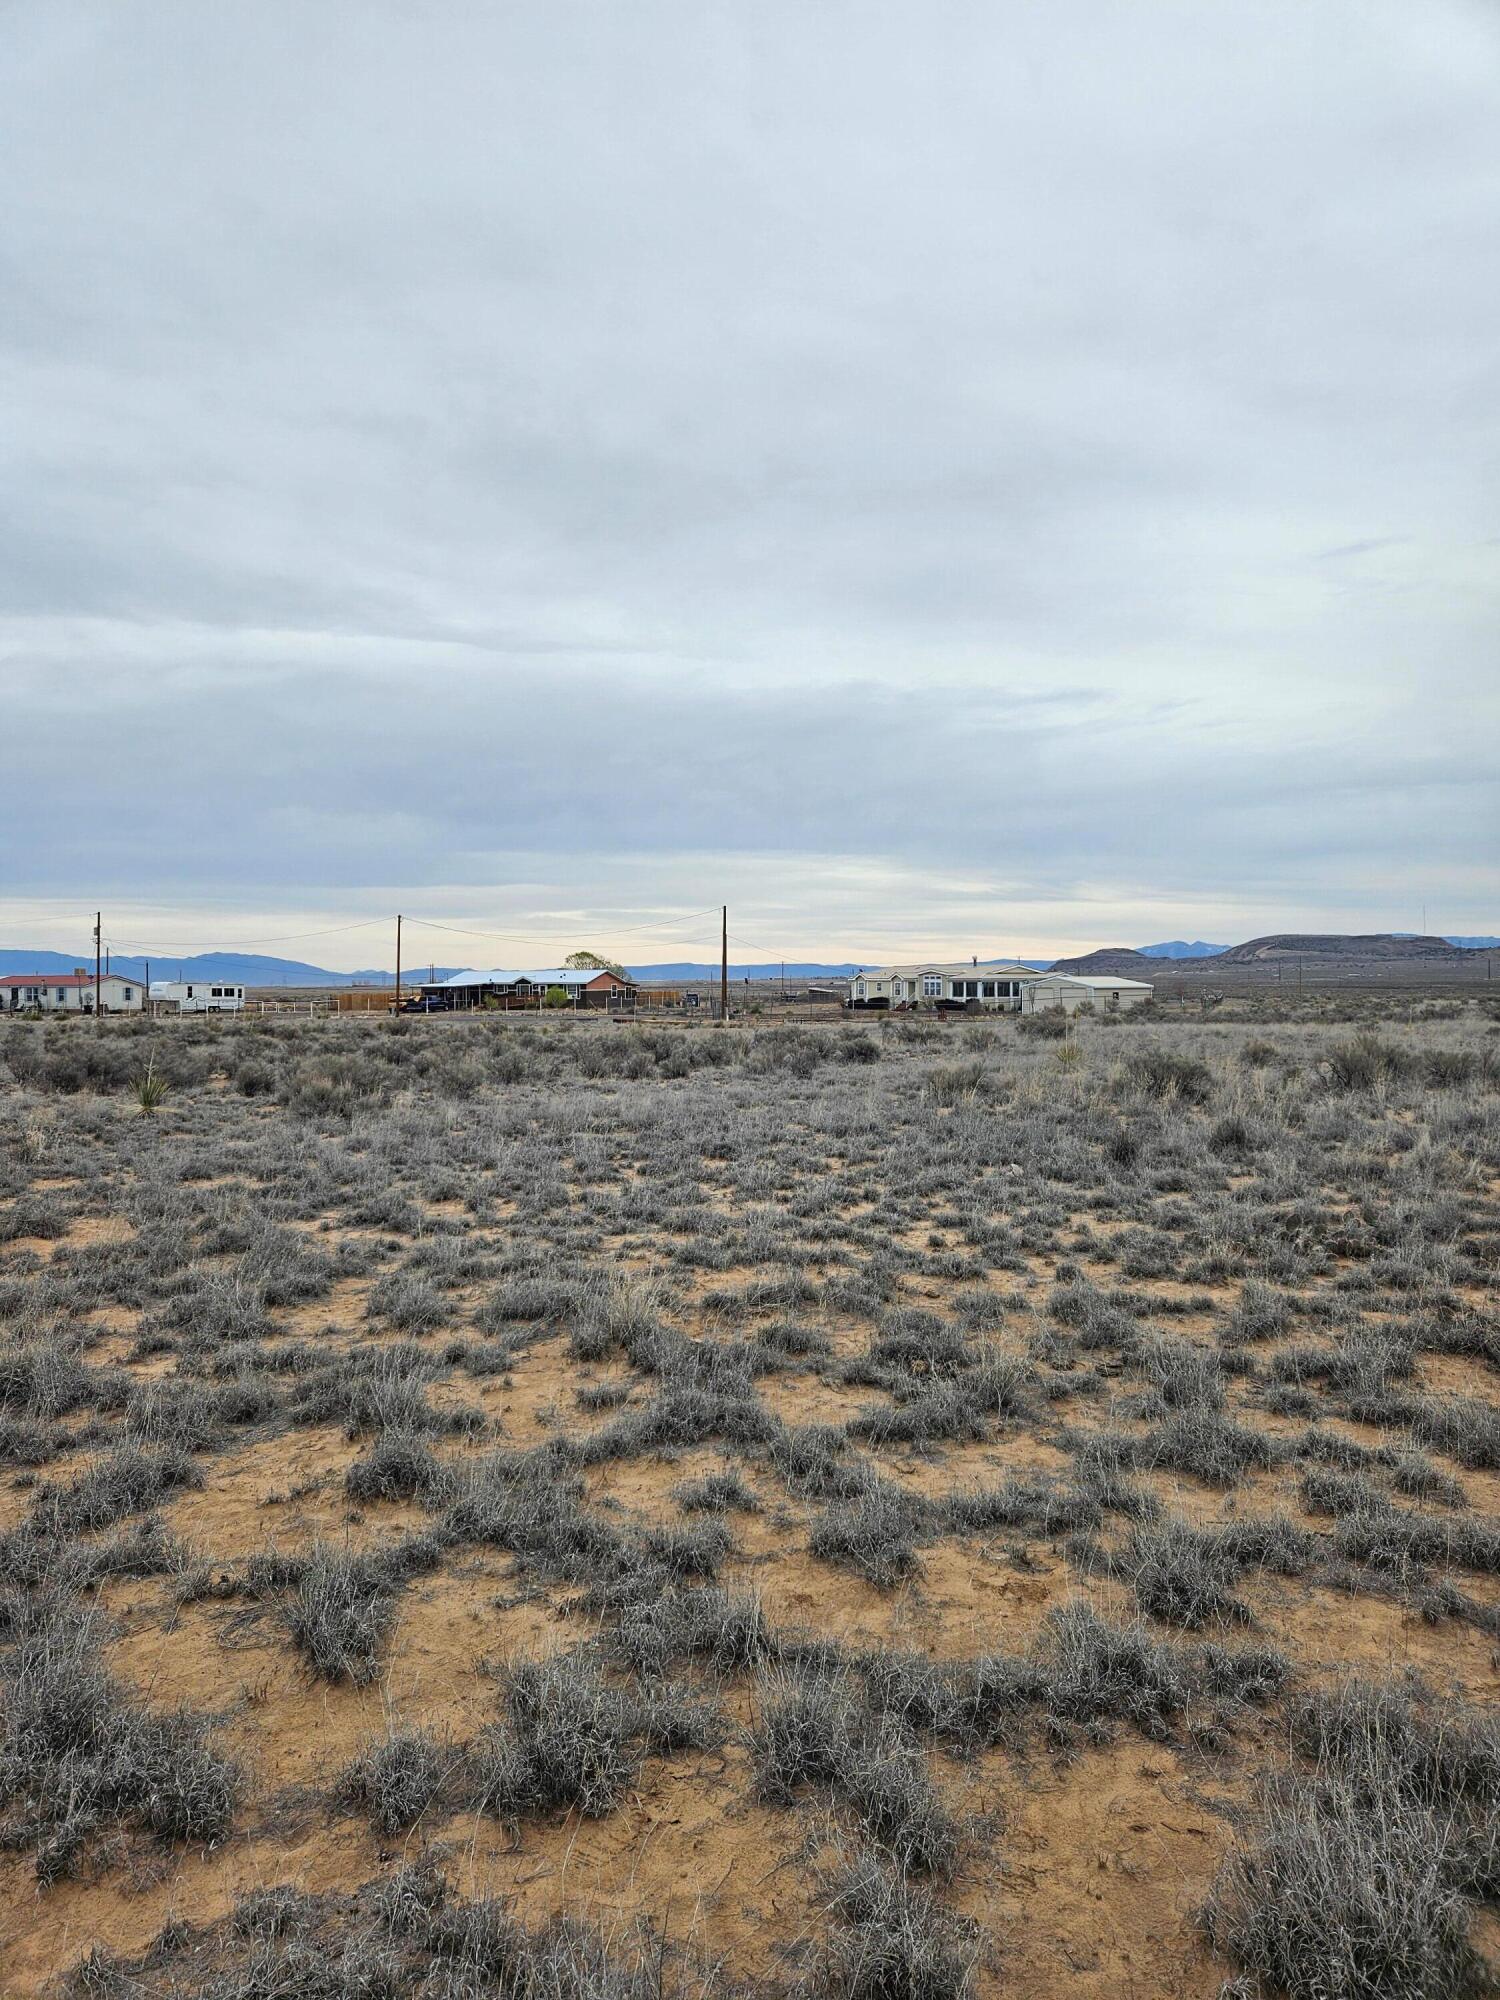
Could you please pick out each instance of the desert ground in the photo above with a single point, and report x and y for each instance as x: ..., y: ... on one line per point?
x: 881, y: 1510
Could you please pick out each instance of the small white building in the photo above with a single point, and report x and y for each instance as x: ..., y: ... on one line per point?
x: 197, y: 996
x: 1072, y: 990
x: 991, y: 987
x: 69, y: 993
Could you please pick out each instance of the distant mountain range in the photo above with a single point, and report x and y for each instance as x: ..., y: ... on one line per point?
x: 234, y: 967
x: 1178, y: 949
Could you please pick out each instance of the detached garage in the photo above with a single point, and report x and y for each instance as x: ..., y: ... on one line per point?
x: 1070, y: 991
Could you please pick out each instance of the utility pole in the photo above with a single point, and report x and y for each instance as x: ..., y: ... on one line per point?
x: 398, y: 963
x: 146, y: 994
x: 98, y: 960
x: 724, y: 964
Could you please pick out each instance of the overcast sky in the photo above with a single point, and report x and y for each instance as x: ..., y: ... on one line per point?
x: 939, y: 477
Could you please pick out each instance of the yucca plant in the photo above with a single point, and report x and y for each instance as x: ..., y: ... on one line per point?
x: 149, y: 1088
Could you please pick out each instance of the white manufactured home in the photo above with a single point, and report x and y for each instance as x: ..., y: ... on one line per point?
x: 69, y: 993
x: 1072, y: 990
x: 989, y: 987
x: 197, y: 996
x: 1011, y: 989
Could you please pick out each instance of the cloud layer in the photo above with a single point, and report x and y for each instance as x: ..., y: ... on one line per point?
x: 936, y: 477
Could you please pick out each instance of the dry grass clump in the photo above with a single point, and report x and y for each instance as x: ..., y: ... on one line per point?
x: 1362, y: 1866
x: 79, y: 1755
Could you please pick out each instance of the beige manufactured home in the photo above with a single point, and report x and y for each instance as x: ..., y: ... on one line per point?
x: 992, y: 987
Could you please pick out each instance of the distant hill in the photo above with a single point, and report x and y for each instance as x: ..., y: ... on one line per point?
x: 1321, y: 947
x: 1178, y: 949
x: 1113, y: 962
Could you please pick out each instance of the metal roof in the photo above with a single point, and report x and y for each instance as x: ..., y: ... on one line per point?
x: 963, y: 969
x: 1097, y: 981
x: 68, y: 979
x: 557, y: 975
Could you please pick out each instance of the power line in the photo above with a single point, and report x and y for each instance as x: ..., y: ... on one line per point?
x: 752, y: 944
x: 156, y: 947
x: 246, y: 944
x: 539, y: 937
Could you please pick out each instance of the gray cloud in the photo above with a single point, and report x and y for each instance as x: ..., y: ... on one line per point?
x: 1043, y: 458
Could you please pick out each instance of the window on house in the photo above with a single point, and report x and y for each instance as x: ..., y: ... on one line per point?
x: 932, y: 986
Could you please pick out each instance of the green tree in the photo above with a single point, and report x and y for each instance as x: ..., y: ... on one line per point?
x: 591, y: 961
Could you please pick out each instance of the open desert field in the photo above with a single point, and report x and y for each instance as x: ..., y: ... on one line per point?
x: 554, y: 1509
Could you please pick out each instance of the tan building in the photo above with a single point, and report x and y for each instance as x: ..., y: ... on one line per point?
x: 1072, y: 990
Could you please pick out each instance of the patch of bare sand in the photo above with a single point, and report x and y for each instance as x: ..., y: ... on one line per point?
x: 689, y: 1849
x: 533, y: 1400
x: 285, y: 1492
x: 47, y: 1931
x: 83, y: 1233
x: 1090, y: 1888
x: 811, y: 1399
x: 1014, y: 1454
x: 644, y: 1486
x: 1456, y: 1375
x: 1326, y: 1631
x: 289, y: 1728
x: 966, y: 1598
x: 1257, y: 1495
x: 337, y: 1318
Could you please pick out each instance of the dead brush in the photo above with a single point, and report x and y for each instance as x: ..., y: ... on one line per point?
x: 79, y: 1755
x: 891, y: 1940
x: 1359, y: 1875
x: 815, y: 1732
x: 400, y: 1779
x: 569, y: 1743
x: 340, y: 1614
x: 948, y: 1085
